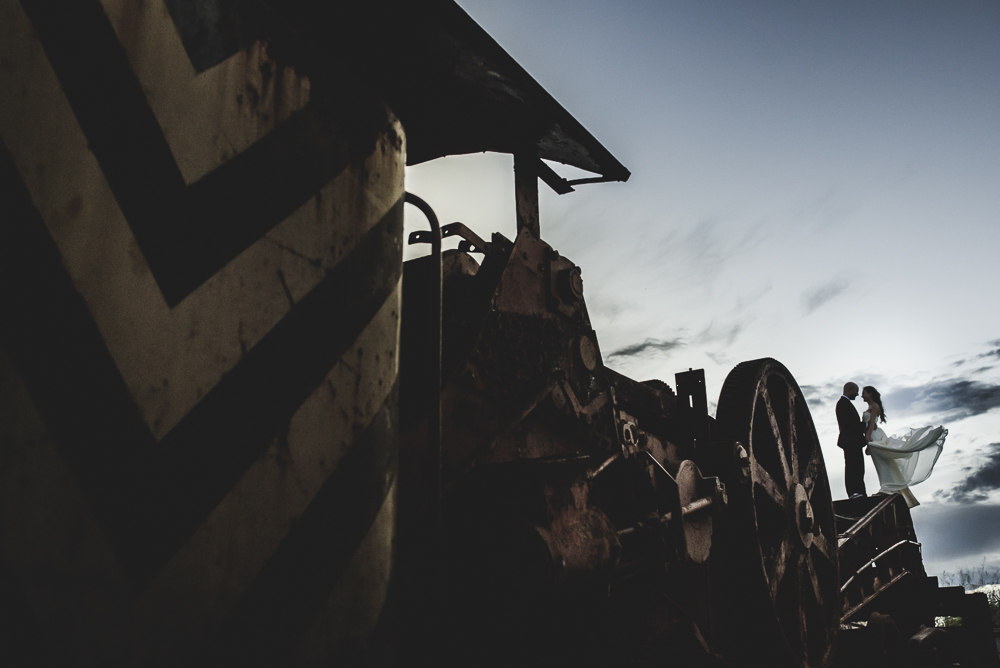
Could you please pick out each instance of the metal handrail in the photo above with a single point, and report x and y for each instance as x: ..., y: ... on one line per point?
x: 871, y: 562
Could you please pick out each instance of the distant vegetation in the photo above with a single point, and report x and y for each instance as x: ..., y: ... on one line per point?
x: 971, y: 578
x: 979, y: 577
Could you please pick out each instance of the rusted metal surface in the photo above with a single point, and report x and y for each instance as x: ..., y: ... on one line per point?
x: 584, y: 469
x: 620, y: 495
x: 698, y: 497
x: 474, y: 244
x: 526, y: 193
x: 789, y: 549
x: 602, y: 520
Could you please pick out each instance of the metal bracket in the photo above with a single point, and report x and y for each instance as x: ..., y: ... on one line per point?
x: 471, y: 242
x: 420, y: 237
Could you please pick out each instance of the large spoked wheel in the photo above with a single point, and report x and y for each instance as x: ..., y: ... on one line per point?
x: 790, y: 561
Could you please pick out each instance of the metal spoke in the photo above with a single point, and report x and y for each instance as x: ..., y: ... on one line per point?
x: 803, y: 634
x: 793, y: 437
x: 811, y: 473
x: 821, y: 543
x: 766, y: 396
x: 780, y: 567
x: 814, y: 579
x: 763, y: 478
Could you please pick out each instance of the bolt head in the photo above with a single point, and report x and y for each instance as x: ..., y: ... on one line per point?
x: 804, y: 516
x: 743, y: 463
x: 587, y: 352
x: 570, y: 284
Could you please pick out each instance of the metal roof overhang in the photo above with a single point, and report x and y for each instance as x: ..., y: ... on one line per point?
x: 453, y: 86
x: 462, y: 93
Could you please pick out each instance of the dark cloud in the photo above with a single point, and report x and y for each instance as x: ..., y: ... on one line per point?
x: 817, y: 396
x: 995, y: 353
x: 715, y: 333
x: 828, y: 392
x: 648, y: 347
x: 952, y: 532
x: 983, y: 480
x: 816, y: 297
x: 956, y: 398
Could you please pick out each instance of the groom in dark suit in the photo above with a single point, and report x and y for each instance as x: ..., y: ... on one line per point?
x: 852, y: 442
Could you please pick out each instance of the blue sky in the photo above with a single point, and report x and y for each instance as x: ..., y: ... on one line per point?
x: 814, y: 182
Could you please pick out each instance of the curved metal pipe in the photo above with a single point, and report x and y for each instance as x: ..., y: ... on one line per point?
x: 434, y: 419
x: 434, y: 384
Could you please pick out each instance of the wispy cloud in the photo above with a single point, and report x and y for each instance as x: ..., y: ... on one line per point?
x: 983, y: 480
x: 992, y: 353
x: 995, y: 353
x: 714, y: 333
x: 696, y: 255
x: 648, y: 347
x: 816, y: 297
x: 832, y: 206
x: 721, y: 333
x: 955, y: 398
x: 719, y: 358
x: 745, y: 301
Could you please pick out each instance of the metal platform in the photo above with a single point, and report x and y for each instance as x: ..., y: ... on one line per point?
x: 890, y: 604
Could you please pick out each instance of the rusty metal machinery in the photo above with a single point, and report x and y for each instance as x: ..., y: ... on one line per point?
x: 879, y: 555
x: 889, y: 604
x: 209, y: 454
x: 789, y: 552
x: 588, y: 516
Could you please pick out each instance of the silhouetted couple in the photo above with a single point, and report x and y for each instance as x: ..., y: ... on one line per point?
x: 899, y: 461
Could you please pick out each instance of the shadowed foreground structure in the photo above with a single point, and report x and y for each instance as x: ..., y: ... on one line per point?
x: 236, y: 431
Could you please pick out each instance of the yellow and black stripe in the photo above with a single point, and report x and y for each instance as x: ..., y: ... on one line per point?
x: 199, y: 287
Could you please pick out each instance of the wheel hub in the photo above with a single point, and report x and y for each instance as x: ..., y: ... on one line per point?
x: 804, y: 518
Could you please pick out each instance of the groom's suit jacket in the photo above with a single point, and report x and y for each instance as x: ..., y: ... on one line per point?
x: 852, y: 433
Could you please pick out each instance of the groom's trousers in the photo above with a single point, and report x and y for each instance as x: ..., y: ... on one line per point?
x: 854, y: 470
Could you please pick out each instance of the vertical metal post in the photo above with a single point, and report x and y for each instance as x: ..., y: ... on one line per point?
x: 526, y: 192
x: 692, y: 406
x: 434, y: 382
x: 434, y: 419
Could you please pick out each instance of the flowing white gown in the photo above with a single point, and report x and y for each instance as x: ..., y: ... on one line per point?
x: 901, y: 461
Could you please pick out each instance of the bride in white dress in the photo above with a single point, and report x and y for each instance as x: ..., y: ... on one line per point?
x: 904, y: 460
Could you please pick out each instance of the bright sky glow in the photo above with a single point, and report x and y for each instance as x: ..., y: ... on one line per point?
x: 818, y: 183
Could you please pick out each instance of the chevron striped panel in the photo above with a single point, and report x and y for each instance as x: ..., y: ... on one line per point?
x: 200, y: 265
